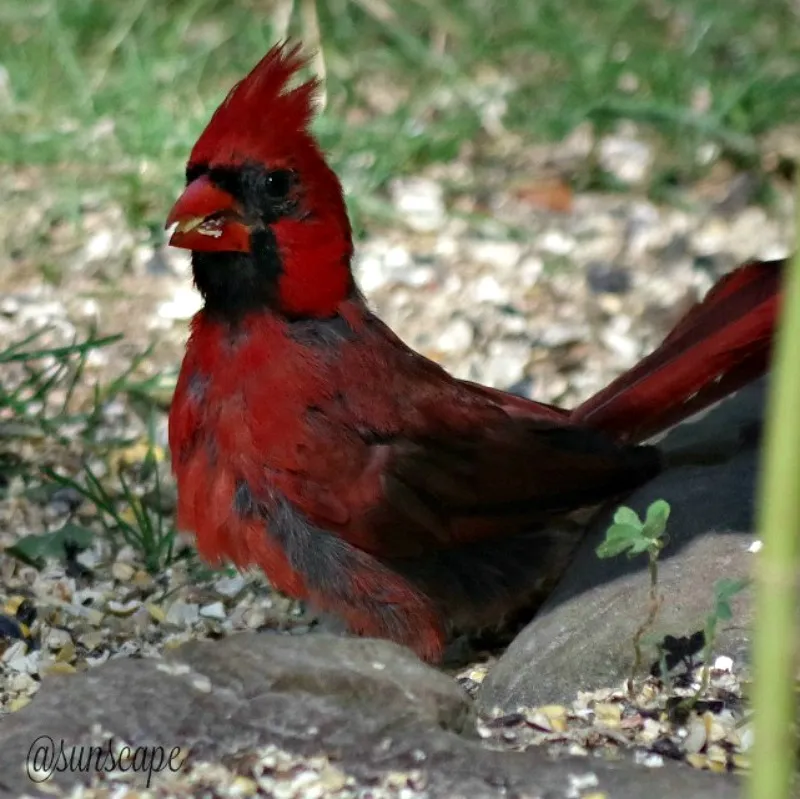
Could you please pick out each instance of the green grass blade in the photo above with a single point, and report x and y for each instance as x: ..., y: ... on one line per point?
x: 774, y: 699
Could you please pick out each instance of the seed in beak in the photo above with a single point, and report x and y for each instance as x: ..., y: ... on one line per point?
x: 204, y: 225
x: 187, y: 225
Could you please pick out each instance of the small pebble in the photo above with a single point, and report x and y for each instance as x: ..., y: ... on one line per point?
x: 648, y: 759
x: 216, y: 610
x: 230, y: 586
x: 457, y: 336
x: 122, y: 571
x: 185, y: 303
x: 123, y: 608
x: 608, y: 279
x: 420, y: 202
x: 183, y: 614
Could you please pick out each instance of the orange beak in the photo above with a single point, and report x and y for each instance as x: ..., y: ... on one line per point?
x: 208, y: 219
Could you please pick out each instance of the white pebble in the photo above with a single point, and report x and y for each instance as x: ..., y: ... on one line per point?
x: 229, y: 586
x: 503, y: 254
x: 530, y: 270
x: 578, y: 783
x: 457, y: 337
x: 420, y: 201
x: 183, y: 614
x: 418, y: 277
x: 17, y: 658
x: 555, y: 242
x: 9, y: 306
x: 100, y: 246
x: 216, y: 610
x: 648, y: 759
x: 625, y: 157
x: 489, y: 289
x: 371, y: 273
x: 446, y: 246
x: 173, y: 667
x: 56, y: 638
x: 626, y: 347
x: 123, y: 608
x: 201, y: 683
x: 397, y: 258
x: 723, y: 663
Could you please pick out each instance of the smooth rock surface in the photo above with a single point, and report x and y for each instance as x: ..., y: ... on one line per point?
x: 581, y: 639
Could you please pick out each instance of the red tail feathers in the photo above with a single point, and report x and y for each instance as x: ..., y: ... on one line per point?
x: 722, y: 344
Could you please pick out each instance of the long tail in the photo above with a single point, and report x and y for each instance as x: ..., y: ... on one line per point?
x: 720, y: 345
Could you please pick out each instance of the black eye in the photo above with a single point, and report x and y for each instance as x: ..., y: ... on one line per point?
x: 279, y: 184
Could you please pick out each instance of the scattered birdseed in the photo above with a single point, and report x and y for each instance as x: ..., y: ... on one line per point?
x: 606, y: 722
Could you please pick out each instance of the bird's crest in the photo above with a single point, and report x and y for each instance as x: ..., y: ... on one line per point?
x: 262, y: 118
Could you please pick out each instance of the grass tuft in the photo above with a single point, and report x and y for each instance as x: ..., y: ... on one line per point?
x: 39, y: 403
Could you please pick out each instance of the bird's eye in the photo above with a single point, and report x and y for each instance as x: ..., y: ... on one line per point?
x: 279, y: 183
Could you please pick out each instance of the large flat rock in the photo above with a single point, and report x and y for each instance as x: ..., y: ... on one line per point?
x: 370, y: 706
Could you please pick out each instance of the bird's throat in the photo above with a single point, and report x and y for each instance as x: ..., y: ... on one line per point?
x: 298, y: 282
x: 234, y: 284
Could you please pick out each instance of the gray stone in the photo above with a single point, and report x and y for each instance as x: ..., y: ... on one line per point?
x: 370, y: 706
x: 606, y: 278
x: 581, y: 639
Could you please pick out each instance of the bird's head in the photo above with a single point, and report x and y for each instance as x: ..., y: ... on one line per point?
x: 262, y: 211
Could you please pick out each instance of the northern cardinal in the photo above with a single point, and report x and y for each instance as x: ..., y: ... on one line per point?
x: 309, y: 440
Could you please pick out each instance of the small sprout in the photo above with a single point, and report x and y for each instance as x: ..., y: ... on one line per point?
x: 633, y: 536
x: 725, y: 589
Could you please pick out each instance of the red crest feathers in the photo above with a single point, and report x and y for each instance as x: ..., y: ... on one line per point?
x: 261, y: 119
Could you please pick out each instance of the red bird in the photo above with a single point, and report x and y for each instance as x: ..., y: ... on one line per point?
x: 309, y: 440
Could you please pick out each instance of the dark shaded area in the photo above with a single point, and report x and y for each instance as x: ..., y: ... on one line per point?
x: 703, y: 498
